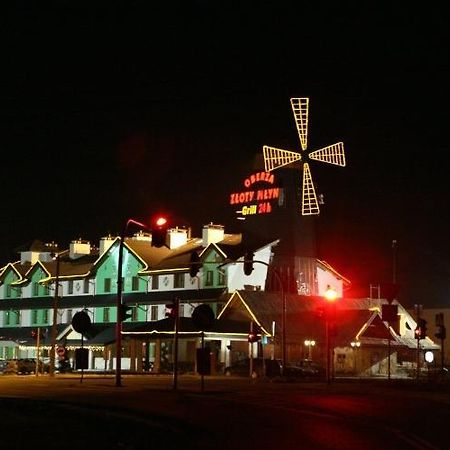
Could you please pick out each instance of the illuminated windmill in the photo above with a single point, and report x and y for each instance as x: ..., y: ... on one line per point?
x: 275, y: 157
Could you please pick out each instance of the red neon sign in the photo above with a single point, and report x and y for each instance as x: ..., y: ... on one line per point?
x: 257, y: 200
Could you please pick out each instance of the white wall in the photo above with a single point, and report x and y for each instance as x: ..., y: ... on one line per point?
x: 235, y: 271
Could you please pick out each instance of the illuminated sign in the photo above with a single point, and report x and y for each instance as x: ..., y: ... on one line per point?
x: 258, y: 195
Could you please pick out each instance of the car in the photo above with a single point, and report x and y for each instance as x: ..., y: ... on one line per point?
x: 267, y: 367
x: 24, y: 366
x: 3, y: 365
x: 304, y: 368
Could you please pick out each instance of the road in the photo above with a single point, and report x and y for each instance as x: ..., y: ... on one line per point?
x: 230, y: 413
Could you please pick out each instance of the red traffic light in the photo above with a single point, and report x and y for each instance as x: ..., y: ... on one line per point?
x: 159, y: 231
x: 160, y: 221
x: 331, y: 294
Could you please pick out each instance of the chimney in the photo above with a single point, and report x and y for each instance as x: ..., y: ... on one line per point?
x: 105, y: 243
x: 79, y: 248
x: 176, y: 237
x: 141, y: 236
x: 212, y: 234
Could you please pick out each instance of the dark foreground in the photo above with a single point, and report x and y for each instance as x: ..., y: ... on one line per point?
x: 229, y: 413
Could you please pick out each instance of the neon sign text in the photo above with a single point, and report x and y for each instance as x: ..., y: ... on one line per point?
x: 259, y: 176
x: 259, y: 195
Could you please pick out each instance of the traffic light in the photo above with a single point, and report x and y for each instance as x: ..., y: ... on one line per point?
x: 255, y: 334
x: 195, y: 264
x: 34, y: 334
x: 248, y: 263
x: 441, y: 332
x: 253, y: 337
x: 421, y: 329
x: 330, y: 294
x: 159, y: 231
x: 125, y: 312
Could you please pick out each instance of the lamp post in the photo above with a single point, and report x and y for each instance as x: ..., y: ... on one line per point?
x: 355, y: 346
x: 330, y: 297
x: 54, y: 331
x: 119, y: 302
x: 310, y: 343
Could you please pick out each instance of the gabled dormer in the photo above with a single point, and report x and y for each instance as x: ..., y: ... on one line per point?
x: 105, y: 270
x: 8, y: 277
x: 213, y: 275
x: 33, y: 281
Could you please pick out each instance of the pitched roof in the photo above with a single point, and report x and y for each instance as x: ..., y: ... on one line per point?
x: 355, y: 319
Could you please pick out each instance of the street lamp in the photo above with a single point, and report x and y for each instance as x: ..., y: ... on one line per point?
x: 330, y: 297
x: 119, y: 302
x: 355, y: 346
x: 310, y: 343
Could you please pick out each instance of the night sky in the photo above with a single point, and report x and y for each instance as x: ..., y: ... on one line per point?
x: 117, y: 111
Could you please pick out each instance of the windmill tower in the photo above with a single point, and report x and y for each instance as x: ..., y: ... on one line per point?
x: 296, y: 254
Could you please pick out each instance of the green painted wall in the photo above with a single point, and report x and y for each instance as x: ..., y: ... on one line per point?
x: 214, y: 278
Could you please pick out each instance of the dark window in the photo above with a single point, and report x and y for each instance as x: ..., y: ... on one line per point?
x: 69, y: 315
x: 86, y: 286
x: 221, y: 278
x: 178, y: 280
x: 8, y: 290
x: 107, y: 284
x: 134, y: 314
x: 155, y: 282
x: 154, y: 312
x: 34, y: 316
x: 135, y: 284
x: 70, y: 287
x: 209, y: 278
x: 35, y: 289
x: 45, y: 318
x: 106, y: 313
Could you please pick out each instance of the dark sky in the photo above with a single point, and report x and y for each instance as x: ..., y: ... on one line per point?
x: 117, y: 111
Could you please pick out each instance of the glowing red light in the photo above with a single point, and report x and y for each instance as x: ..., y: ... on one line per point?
x: 330, y: 294
x: 160, y: 221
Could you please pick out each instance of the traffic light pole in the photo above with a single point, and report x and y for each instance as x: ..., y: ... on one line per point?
x: 175, y: 343
x: 119, y: 302
x: 118, y: 312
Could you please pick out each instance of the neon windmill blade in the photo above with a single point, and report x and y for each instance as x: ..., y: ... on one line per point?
x: 276, y: 157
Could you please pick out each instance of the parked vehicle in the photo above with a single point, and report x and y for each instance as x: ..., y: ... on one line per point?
x: 23, y: 366
x: 3, y: 365
x: 269, y: 367
x: 305, y: 368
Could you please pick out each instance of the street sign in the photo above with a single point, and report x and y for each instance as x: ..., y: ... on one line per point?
x: 81, y: 322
